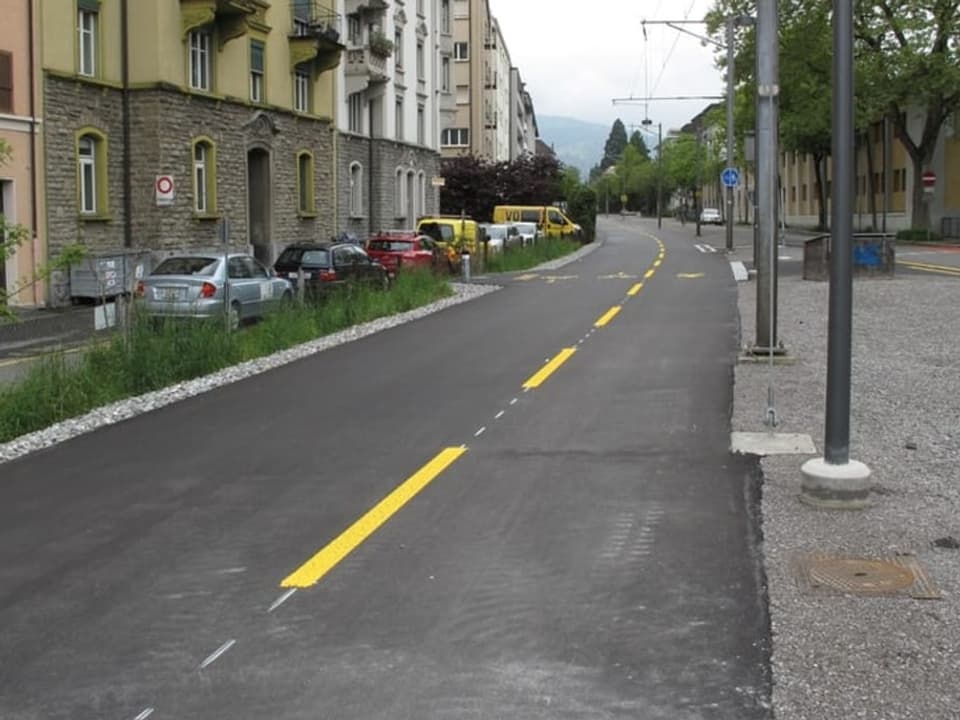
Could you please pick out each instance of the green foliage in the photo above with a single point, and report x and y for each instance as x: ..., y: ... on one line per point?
x: 615, y: 145
x: 542, y: 251
x: 151, y: 355
x: 582, y: 209
x: 381, y: 45
x: 639, y: 144
x: 476, y: 186
x: 569, y: 182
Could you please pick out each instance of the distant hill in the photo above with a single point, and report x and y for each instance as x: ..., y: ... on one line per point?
x: 576, y: 142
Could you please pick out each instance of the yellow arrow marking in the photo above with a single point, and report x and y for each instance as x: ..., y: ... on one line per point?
x: 527, y: 276
x: 689, y: 276
x: 618, y: 276
x: 551, y: 279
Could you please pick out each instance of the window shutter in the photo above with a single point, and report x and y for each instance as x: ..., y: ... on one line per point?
x: 6, y: 82
x: 89, y: 5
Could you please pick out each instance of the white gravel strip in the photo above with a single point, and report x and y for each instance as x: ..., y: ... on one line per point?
x: 856, y: 657
x: 125, y: 409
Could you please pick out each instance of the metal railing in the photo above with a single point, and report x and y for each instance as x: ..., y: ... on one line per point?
x: 313, y: 19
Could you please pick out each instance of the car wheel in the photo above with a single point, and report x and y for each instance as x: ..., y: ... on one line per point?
x: 233, y: 319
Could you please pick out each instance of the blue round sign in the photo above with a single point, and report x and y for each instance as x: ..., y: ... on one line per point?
x: 730, y: 177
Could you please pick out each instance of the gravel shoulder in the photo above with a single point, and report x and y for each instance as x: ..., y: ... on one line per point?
x: 846, y: 656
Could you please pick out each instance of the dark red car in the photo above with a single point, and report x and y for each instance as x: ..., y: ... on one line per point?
x: 396, y: 249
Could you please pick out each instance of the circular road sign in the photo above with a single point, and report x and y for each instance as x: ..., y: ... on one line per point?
x: 929, y: 178
x: 730, y: 177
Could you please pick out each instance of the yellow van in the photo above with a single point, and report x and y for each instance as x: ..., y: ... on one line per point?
x: 550, y: 219
x: 452, y: 231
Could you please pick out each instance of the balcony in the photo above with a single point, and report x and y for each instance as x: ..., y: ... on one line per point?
x: 364, y: 69
x: 314, y: 35
x: 233, y: 18
x: 365, y: 7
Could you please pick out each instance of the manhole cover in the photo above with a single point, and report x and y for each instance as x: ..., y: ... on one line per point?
x: 895, y: 575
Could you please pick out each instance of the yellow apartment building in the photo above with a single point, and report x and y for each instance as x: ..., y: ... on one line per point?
x: 169, y: 118
x: 21, y: 176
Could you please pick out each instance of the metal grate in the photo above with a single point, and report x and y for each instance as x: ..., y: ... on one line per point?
x: 896, y: 575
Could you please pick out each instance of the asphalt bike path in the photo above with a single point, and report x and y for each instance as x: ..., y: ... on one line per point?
x: 521, y: 506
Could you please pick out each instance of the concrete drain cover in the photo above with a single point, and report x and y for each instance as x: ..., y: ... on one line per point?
x: 895, y: 575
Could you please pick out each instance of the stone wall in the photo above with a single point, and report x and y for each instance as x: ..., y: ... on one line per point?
x: 163, y: 124
x: 379, y: 206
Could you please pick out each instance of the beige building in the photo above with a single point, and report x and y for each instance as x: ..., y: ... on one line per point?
x: 481, y: 79
x: 21, y: 176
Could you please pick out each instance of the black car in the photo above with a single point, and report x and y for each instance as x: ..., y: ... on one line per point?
x: 328, y: 265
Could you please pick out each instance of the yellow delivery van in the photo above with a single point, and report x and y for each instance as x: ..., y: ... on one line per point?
x: 549, y: 218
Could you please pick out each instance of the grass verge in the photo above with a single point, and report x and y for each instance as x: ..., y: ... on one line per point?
x: 150, y: 356
x: 531, y: 256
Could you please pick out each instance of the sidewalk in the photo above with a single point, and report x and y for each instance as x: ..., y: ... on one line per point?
x: 840, y: 655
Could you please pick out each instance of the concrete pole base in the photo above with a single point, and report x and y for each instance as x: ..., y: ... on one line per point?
x: 835, y: 487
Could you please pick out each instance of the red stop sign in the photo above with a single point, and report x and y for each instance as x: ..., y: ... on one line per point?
x: 929, y: 178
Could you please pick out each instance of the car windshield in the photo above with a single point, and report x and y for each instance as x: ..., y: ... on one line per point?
x: 441, y: 233
x: 204, y: 266
x: 390, y: 245
x: 497, y: 232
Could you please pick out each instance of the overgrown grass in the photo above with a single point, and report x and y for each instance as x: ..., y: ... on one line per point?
x: 530, y: 256
x: 918, y: 236
x: 151, y: 356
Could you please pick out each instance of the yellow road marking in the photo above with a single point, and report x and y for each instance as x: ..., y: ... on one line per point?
x: 551, y: 279
x: 689, y: 276
x: 930, y: 267
x: 527, y: 276
x: 540, y: 377
x: 329, y: 557
x: 617, y: 276
x: 635, y: 289
x: 649, y: 274
x: 658, y: 262
x: 608, y: 316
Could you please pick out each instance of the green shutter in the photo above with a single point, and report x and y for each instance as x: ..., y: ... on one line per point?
x: 90, y: 5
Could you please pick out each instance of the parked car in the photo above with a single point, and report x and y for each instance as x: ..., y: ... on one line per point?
x: 710, y: 216
x: 528, y: 232
x: 191, y: 285
x: 395, y: 249
x: 497, y: 236
x: 329, y: 265
x: 552, y: 221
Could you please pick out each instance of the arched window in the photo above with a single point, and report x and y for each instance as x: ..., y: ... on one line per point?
x: 92, y: 173
x: 411, y: 196
x: 204, y: 176
x: 305, y: 183
x: 421, y: 194
x: 356, y: 190
x: 399, y: 206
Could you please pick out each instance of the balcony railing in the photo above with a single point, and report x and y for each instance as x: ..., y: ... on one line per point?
x: 311, y: 19
x: 360, y: 61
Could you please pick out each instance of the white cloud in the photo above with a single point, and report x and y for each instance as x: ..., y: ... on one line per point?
x: 576, y: 57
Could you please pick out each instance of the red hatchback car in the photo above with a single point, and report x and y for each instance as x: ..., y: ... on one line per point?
x: 395, y: 249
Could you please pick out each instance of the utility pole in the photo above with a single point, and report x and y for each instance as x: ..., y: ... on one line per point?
x: 835, y: 481
x: 696, y: 189
x: 647, y: 122
x: 765, y: 260
x: 732, y: 22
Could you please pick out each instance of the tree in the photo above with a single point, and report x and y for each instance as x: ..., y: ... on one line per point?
x: 569, y: 182
x: 909, y: 58
x: 615, y: 145
x: 638, y: 143
x: 476, y: 186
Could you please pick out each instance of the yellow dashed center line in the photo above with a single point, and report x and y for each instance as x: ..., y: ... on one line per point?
x: 540, y: 377
x: 635, y: 290
x: 649, y: 274
x: 329, y: 557
x: 608, y: 316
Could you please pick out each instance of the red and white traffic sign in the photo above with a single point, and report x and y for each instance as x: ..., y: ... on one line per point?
x: 929, y: 179
x: 165, y: 190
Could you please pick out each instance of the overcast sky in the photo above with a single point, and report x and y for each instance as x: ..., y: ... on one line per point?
x: 576, y: 57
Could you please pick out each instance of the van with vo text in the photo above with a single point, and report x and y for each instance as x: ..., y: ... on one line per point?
x: 550, y: 219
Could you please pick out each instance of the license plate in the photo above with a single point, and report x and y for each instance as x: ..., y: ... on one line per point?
x: 170, y: 294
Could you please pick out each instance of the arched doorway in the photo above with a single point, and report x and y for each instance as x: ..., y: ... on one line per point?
x: 259, y: 204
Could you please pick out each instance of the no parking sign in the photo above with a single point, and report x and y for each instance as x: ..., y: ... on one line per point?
x: 164, y: 190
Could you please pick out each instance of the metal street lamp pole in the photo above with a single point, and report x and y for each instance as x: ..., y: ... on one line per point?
x: 765, y: 260
x: 696, y: 189
x: 835, y: 481
x: 647, y: 122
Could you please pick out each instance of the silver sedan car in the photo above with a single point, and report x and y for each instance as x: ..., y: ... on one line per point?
x: 192, y: 286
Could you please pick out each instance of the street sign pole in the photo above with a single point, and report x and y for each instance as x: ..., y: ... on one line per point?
x: 730, y: 86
